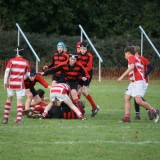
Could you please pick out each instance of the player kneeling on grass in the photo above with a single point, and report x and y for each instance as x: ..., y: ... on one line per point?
x: 61, y: 91
x: 60, y: 111
x: 37, y: 110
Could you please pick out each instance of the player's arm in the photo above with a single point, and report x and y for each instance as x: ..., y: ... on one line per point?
x: 148, y: 64
x: 149, y: 69
x: 84, y: 72
x: 42, y: 81
x: 6, y: 75
x: 53, y: 69
x: 90, y: 62
x: 130, y: 68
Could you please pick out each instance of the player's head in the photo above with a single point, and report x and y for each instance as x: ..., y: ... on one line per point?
x: 83, y: 47
x: 19, y: 51
x: 41, y: 93
x: 60, y: 47
x: 129, y: 51
x: 78, y: 47
x: 73, y: 58
x: 32, y: 74
x: 137, y: 49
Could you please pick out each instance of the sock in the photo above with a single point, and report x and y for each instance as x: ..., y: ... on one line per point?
x: 7, y: 110
x: 79, y: 96
x: 19, y: 112
x: 153, y: 110
x: 136, y: 106
x: 127, y: 116
x: 89, y: 98
x: 75, y: 100
x: 79, y: 114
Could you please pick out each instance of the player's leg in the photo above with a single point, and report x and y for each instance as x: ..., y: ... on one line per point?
x: 7, y: 108
x: 137, y: 110
x: 36, y: 100
x: 138, y: 97
x: 20, y: 94
x: 73, y: 107
x: 48, y: 107
x: 127, y: 103
x: 73, y: 93
x: 29, y: 99
x: 127, y: 106
x: 95, y: 107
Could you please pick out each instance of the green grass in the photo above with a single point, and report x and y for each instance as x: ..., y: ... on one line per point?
x: 98, y: 138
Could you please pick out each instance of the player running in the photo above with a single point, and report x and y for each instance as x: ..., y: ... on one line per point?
x: 136, y: 86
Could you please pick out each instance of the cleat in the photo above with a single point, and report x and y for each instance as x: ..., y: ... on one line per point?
x: 18, y: 122
x: 156, y: 116
x: 82, y: 118
x: 125, y: 120
x: 137, y: 117
x: 4, y: 121
x: 25, y: 112
x: 150, y: 115
x: 95, y: 111
x: 44, y: 115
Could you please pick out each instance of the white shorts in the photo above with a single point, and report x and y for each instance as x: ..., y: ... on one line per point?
x: 145, y: 88
x: 59, y: 96
x: 19, y: 93
x: 136, y: 89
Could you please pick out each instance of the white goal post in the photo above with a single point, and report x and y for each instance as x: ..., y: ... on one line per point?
x: 99, y: 57
x: 25, y: 38
x: 150, y: 42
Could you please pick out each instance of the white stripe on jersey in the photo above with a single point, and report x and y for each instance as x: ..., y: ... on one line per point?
x: 15, y: 83
x: 19, y: 62
x: 18, y: 70
x: 16, y: 76
x: 60, y: 87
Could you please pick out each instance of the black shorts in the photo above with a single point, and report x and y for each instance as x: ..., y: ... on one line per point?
x: 86, y: 83
x: 56, y: 78
x: 72, y: 84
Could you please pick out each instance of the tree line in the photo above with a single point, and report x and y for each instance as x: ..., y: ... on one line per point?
x: 100, y: 18
x: 111, y: 25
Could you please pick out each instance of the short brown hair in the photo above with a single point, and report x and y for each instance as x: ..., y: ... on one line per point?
x: 137, y: 49
x: 129, y: 49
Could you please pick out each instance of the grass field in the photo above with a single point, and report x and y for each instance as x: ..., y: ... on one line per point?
x: 98, y: 138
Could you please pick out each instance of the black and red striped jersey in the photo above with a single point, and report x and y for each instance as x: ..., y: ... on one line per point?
x: 86, y: 60
x: 57, y: 59
x: 63, y: 111
x: 71, y: 114
x: 29, y: 84
x: 70, y: 73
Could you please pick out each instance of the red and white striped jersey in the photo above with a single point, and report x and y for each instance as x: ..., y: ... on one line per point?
x: 18, y: 67
x: 137, y: 73
x: 61, y: 88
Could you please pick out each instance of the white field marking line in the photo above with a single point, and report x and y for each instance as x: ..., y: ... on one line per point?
x: 79, y: 127
x: 88, y: 142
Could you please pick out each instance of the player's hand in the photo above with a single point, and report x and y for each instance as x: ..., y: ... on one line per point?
x: 41, y: 73
x: 120, y: 79
x: 46, y: 99
x: 45, y: 68
x: 5, y: 85
x: 84, y: 78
